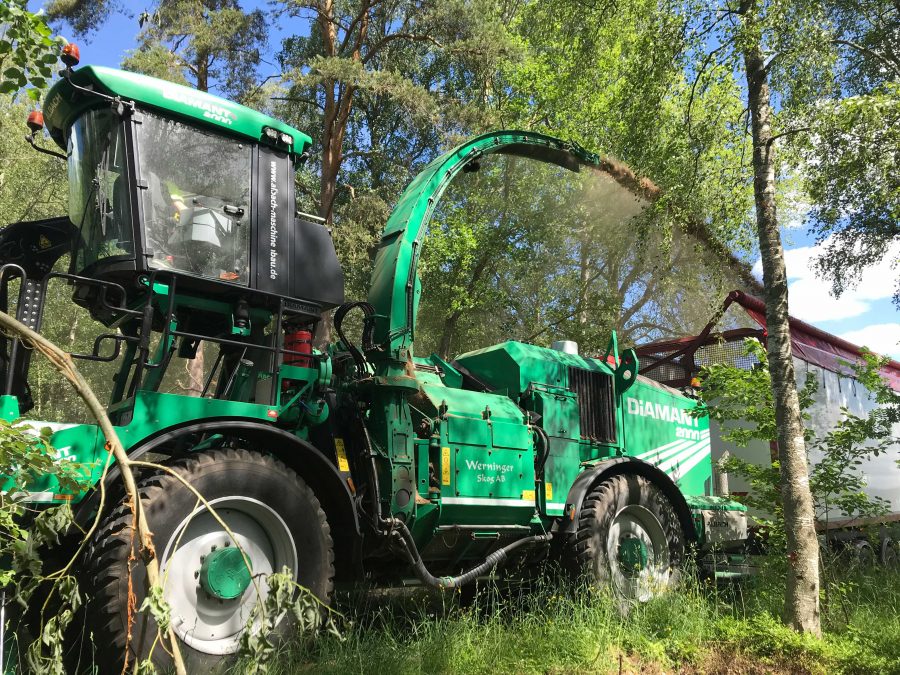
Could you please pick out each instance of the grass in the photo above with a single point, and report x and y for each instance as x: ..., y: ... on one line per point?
x: 560, y: 628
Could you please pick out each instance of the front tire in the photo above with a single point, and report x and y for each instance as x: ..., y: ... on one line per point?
x: 629, y: 538
x: 277, y: 522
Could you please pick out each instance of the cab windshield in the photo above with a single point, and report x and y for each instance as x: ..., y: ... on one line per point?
x: 98, y: 188
x: 196, y: 199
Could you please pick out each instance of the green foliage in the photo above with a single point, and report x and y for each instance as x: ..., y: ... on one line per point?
x: 741, y: 399
x: 159, y: 609
x: 32, y: 185
x: 557, y: 628
x: 26, y: 457
x: 851, y: 179
x: 745, y: 394
x: 212, y: 44
x: 855, y: 187
x: 832, y: 68
x: 28, y: 49
x: 85, y: 16
x: 609, y: 76
x: 284, y: 597
x: 45, y: 655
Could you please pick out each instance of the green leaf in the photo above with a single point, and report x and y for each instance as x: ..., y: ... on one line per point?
x: 158, y: 607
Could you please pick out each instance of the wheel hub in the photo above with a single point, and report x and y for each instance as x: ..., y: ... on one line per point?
x: 208, y: 584
x: 638, y: 553
x: 632, y: 555
x: 224, y: 573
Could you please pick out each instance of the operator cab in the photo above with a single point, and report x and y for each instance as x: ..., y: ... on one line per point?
x: 165, y: 182
x: 193, y: 199
x: 182, y: 232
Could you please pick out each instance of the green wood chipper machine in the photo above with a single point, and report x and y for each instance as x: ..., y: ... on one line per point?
x: 360, y: 462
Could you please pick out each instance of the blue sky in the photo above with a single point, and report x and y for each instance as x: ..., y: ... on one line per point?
x: 108, y: 46
x: 864, y: 315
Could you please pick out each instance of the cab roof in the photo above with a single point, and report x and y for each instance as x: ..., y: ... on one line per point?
x: 64, y: 103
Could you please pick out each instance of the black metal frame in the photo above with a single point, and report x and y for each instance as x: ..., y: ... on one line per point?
x: 141, y: 336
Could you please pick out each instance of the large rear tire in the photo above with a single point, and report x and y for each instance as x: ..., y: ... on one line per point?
x: 629, y: 538
x: 278, y: 523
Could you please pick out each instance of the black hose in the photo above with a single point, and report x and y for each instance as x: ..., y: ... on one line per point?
x: 368, y: 327
x: 445, y: 583
x: 544, y: 455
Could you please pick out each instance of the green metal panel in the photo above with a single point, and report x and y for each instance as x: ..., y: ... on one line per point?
x: 483, y: 458
x: 558, y: 409
x: 63, y: 104
x: 660, y: 430
x: 467, y: 431
x: 152, y: 412
x: 511, y: 367
x: 472, y: 403
x: 562, y: 468
x: 510, y: 435
x: 712, y: 503
x: 9, y: 407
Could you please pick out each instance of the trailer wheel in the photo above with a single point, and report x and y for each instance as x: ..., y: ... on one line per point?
x: 277, y: 521
x: 629, y: 537
x: 890, y: 557
x: 857, y: 554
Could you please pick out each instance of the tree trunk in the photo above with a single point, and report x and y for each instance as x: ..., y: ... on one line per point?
x: 801, y: 610
x: 448, y: 334
x: 196, y: 375
x: 584, y: 281
x: 202, y: 65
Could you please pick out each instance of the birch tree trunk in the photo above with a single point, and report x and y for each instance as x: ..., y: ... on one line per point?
x: 801, y: 610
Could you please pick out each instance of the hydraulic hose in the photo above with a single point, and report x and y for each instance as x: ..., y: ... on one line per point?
x: 368, y: 326
x: 444, y: 583
x: 544, y: 454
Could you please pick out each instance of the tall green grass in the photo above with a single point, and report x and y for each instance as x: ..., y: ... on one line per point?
x: 557, y: 627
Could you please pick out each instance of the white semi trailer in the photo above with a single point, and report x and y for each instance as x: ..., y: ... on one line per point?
x: 676, y: 362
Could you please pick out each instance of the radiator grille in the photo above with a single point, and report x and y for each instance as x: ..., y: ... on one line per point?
x: 596, y: 406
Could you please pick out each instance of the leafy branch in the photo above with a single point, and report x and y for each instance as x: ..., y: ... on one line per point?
x: 64, y: 364
x: 28, y: 50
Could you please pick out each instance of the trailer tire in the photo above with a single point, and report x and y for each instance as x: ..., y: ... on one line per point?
x: 628, y: 537
x: 277, y: 520
x: 890, y: 556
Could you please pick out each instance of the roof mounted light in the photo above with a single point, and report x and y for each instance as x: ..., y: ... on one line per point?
x: 70, y: 55
x: 35, y: 121
x: 276, y: 136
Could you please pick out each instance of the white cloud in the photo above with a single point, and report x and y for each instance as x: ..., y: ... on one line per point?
x: 810, y: 297
x: 883, y: 338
